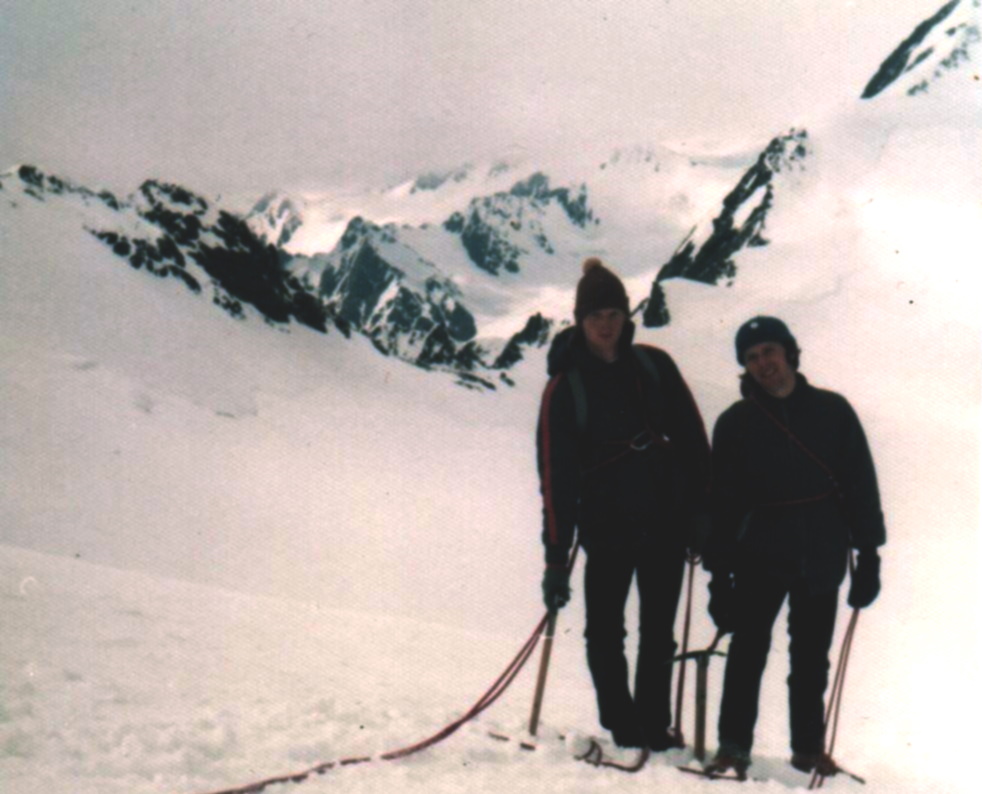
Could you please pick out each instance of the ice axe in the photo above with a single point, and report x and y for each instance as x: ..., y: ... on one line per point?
x: 702, y: 659
x: 550, y: 632
x: 692, y: 559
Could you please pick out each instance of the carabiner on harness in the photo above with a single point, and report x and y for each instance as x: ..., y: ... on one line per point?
x: 645, y: 439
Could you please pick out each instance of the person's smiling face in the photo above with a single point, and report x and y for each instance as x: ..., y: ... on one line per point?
x: 768, y: 365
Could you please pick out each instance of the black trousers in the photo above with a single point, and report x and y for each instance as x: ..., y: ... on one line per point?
x: 811, y: 624
x: 608, y: 577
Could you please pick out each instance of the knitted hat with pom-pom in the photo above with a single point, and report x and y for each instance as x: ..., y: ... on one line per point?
x: 599, y: 288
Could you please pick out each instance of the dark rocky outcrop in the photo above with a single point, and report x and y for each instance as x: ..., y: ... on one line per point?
x: 899, y: 60
x: 707, y: 255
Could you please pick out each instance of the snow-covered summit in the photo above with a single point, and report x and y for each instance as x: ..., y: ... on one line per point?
x: 275, y: 217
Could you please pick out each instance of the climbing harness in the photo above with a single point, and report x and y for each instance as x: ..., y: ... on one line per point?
x: 642, y: 440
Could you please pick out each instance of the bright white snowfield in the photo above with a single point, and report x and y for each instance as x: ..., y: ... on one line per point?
x: 230, y: 551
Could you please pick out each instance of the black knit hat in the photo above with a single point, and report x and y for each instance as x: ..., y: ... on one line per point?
x: 599, y: 288
x: 766, y: 329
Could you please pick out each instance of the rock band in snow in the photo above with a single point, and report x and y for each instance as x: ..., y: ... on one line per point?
x: 775, y: 509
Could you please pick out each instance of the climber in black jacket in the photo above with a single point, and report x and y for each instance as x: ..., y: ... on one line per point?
x: 624, y: 461
x: 794, y: 489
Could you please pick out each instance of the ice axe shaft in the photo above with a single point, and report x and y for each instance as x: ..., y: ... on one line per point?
x: 540, y: 684
x: 702, y: 659
x: 680, y: 689
x: 702, y: 677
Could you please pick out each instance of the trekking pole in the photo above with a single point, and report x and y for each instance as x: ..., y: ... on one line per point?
x: 693, y: 560
x: 540, y: 684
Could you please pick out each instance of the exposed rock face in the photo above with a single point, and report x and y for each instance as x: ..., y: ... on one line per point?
x: 536, y: 333
x: 37, y: 184
x: 407, y: 309
x: 706, y: 254
x: 169, y: 232
x: 938, y: 45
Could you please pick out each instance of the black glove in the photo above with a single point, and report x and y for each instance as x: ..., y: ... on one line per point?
x: 722, y: 601
x: 555, y: 587
x: 865, y: 585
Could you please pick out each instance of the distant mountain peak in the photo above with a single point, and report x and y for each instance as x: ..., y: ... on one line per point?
x: 434, y: 180
x: 275, y: 218
x: 498, y: 230
x: 937, y: 45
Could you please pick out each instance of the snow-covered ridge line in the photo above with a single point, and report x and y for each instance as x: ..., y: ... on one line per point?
x: 371, y: 283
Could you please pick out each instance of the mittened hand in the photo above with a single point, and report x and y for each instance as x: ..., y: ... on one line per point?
x: 722, y: 601
x: 555, y: 588
x: 865, y: 585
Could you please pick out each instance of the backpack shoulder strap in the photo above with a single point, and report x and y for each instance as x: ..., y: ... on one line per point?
x: 647, y: 363
x: 575, y: 379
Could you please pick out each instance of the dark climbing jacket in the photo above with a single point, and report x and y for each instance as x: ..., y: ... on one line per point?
x: 794, y: 486
x: 622, y: 450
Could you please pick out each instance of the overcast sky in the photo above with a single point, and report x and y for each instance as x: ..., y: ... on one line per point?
x: 233, y: 95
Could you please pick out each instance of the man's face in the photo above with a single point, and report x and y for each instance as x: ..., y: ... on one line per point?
x: 768, y: 364
x: 602, y: 330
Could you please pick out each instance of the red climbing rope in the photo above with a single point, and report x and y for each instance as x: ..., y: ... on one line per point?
x: 490, y: 696
x: 835, y: 699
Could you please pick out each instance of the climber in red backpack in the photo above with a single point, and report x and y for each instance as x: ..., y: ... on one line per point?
x: 624, y: 465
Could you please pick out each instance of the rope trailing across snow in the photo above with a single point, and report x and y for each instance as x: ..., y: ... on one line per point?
x: 494, y: 692
x: 485, y: 701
